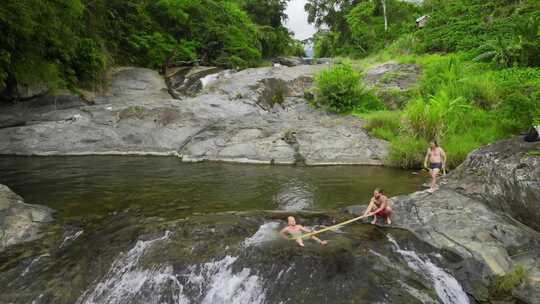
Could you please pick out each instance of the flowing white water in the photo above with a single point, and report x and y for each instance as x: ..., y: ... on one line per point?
x: 218, y: 284
x: 447, y: 287
x: 126, y: 282
x: 267, y: 232
x: 34, y: 261
x: 213, y: 78
x: 215, y: 282
x: 70, y: 238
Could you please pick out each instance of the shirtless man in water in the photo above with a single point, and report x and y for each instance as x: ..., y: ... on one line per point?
x: 378, y: 206
x: 437, y: 162
x: 295, y: 231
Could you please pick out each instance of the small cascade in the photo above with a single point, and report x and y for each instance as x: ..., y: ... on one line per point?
x: 70, y: 238
x: 32, y: 263
x: 216, y: 283
x: 447, y: 287
x: 213, y: 78
x: 267, y: 232
x: 213, y: 282
x: 126, y: 282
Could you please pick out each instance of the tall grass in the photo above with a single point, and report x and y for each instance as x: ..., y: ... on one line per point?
x: 462, y: 104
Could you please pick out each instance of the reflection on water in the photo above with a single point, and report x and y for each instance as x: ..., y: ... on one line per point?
x: 78, y: 186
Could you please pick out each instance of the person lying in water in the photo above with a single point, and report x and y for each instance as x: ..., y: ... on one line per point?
x: 379, y: 206
x: 295, y: 231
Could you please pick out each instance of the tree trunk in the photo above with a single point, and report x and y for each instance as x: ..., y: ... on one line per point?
x: 383, y: 2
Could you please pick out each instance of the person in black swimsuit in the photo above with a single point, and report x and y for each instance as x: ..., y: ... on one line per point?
x: 437, y: 162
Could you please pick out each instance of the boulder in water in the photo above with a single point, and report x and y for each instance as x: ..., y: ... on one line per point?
x: 20, y: 222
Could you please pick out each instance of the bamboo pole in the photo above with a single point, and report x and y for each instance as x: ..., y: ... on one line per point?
x: 331, y: 227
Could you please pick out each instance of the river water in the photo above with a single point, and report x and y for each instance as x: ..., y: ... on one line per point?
x: 79, y: 186
x: 156, y: 230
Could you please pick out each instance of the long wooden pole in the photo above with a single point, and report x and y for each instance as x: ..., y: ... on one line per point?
x: 332, y: 227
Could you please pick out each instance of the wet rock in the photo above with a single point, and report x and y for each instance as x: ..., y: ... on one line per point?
x: 233, y: 257
x: 296, y: 61
x: 474, y: 213
x: 240, y: 117
x: 20, y: 222
x: 505, y: 176
x: 186, y: 81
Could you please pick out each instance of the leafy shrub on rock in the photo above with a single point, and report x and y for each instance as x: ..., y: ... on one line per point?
x: 339, y: 90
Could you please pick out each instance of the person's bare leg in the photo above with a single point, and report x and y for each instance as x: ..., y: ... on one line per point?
x: 389, y: 213
x: 433, y: 173
x: 300, y: 242
x: 319, y: 240
x: 374, y: 219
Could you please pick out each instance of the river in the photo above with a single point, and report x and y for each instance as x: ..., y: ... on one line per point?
x: 156, y: 230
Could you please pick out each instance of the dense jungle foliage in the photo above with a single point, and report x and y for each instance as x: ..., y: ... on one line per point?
x: 68, y: 43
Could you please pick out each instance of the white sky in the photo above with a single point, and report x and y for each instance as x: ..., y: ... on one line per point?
x: 297, y: 21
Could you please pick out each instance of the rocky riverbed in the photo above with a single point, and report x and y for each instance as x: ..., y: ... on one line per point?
x: 252, y: 116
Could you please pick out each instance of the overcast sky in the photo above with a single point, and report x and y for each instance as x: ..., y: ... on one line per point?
x: 297, y: 21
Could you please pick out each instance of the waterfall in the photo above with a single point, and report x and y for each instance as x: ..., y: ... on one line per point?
x: 212, y: 283
x: 212, y: 78
x: 126, y: 282
x: 447, y: 287
x: 217, y: 284
x: 267, y: 232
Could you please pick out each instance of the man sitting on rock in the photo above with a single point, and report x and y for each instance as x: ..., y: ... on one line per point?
x: 379, y: 206
x: 295, y: 231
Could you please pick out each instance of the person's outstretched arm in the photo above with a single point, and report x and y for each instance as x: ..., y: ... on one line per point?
x: 443, y: 155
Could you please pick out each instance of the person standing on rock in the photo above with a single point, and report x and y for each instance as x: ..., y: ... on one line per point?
x: 437, y: 162
x: 295, y: 231
x: 379, y: 206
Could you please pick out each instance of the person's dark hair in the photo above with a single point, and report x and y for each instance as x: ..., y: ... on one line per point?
x: 381, y: 191
x: 435, y: 142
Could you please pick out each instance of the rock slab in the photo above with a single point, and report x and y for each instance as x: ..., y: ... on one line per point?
x: 252, y: 116
x: 20, y: 222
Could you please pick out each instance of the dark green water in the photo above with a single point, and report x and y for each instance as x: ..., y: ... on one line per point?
x: 78, y: 186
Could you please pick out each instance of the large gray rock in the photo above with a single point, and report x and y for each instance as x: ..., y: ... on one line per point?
x: 473, y: 212
x: 20, y: 222
x: 254, y: 116
x: 506, y: 176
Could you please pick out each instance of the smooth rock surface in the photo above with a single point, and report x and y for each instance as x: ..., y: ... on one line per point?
x: 506, y: 176
x: 245, y: 116
x: 20, y: 222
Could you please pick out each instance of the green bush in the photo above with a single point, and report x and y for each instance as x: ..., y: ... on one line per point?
x: 339, y: 90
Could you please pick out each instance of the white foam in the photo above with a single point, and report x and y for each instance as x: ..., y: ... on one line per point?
x: 71, y: 238
x: 447, y: 287
x: 217, y: 284
x: 267, y: 232
x: 126, y: 282
x: 213, y: 78
x: 34, y: 261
